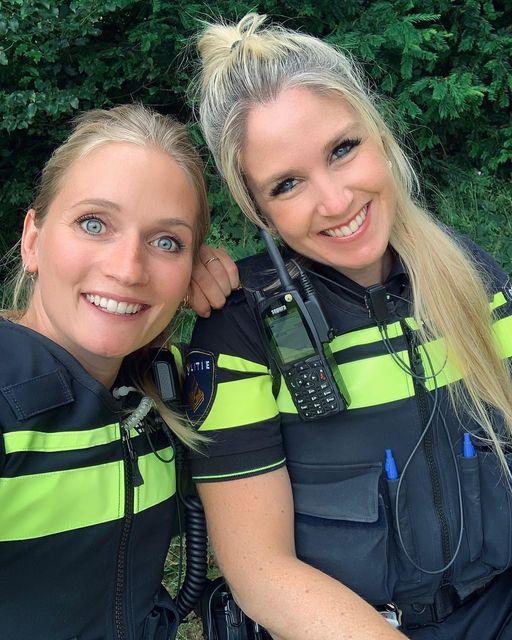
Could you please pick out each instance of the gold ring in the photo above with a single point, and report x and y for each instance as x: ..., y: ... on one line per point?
x: 210, y: 260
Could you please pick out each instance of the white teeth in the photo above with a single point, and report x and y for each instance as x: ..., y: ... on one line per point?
x: 113, y: 306
x: 348, y: 230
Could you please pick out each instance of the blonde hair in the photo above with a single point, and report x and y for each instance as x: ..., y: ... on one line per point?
x: 244, y: 65
x: 138, y: 125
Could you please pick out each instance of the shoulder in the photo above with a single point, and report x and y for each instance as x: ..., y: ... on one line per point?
x: 234, y: 328
x: 38, y: 378
x: 23, y: 353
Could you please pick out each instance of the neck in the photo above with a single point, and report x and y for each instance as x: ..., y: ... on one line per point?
x: 374, y: 274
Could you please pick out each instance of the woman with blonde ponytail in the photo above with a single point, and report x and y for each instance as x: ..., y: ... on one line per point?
x: 333, y: 523
x: 88, y: 433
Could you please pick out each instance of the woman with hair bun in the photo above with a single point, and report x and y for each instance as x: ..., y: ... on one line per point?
x: 330, y: 522
x: 88, y: 433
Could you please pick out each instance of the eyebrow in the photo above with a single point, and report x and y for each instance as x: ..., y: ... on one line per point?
x: 172, y: 222
x: 98, y: 202
x: 335, y: 139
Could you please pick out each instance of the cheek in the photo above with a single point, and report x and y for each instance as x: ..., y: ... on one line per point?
x: 174, y: 284
x: 62, y: 260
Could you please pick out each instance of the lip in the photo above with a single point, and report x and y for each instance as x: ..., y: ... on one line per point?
x: 346, y: 223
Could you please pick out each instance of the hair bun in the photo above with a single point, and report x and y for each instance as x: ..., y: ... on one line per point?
x: 217, y: 42
x: 249, y: 24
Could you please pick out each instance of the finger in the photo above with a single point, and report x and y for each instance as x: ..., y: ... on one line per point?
x: 211, y: 274
x: 197, y: 301
x: 212, y: 285
x: 220, y: 265
x: 229, y: 266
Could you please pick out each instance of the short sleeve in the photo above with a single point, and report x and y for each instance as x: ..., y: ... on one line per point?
x: 229, y: 397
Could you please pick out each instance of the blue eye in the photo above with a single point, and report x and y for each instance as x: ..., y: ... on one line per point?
x: 284, y: 187
x: 344, y: 148
x: 168, y: 243
x: 93, y: 226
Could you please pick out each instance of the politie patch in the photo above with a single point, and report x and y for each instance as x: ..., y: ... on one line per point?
x: 199, y: 387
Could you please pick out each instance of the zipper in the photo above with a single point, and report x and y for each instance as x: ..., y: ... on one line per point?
x: 428, y: 446
x: 131, y: 470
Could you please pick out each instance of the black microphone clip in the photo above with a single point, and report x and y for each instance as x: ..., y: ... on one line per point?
x: 377, y: 303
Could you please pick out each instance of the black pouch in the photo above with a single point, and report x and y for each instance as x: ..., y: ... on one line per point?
x: 162, y: 623
x: 341, y: 526
x: 223, y: 619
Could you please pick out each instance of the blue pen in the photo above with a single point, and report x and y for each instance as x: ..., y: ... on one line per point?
x: 468, y: 450
x: 390, y: 466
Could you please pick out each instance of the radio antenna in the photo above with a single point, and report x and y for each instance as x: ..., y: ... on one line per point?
x: 277, y: 260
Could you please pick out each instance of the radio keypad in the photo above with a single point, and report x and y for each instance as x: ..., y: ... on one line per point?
x: 311, y: 389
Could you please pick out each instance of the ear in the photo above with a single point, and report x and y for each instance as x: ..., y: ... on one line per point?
x: 29, y: 241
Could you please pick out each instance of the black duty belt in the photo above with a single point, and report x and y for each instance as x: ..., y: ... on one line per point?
x: 446, y: 601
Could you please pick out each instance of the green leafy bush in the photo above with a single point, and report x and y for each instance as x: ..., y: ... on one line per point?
x: 443, y: 68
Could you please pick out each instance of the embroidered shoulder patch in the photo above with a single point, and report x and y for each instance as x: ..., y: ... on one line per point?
x: 199, y: 388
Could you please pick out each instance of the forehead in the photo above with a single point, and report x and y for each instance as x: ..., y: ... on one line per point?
x: 129, y: 175
x: 298, y: 115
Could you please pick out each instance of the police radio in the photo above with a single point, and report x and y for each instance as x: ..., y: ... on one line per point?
x: 297, y: 337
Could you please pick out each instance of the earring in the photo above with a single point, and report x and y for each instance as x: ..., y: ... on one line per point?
x: 184, y: 303
x: 30, y: 275
x: 390, y: 164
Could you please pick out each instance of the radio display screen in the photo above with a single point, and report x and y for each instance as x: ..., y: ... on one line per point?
x: 286, y: 330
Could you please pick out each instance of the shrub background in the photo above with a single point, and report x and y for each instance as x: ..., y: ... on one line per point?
x: 444, y: 65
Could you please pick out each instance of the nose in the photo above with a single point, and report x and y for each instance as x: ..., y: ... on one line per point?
x: 125, y: 261
x: 333, y: 198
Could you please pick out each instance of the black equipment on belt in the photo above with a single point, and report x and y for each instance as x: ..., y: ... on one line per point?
x: 223, y: 619
x: 297, y: 335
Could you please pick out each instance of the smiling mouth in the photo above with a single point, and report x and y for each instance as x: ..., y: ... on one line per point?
x: 114, y: 306
x: 346, y: 230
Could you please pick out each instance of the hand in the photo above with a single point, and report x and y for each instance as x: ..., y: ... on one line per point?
x: 214, y: 276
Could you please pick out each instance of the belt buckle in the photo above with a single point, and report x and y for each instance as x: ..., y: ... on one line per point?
x: 392, y: 614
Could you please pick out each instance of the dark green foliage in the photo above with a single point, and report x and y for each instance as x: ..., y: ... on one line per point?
x: 442, y: 66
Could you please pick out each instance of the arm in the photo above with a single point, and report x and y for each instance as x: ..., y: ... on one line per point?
x: 214, y: 276
x: 250, y: 523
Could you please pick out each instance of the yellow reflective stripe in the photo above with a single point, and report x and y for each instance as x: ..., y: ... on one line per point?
x: 377, y: 380
x: 38, y: 505
x: 503, y: 333
x: 498, y: 300
x: 241, y: 402
x: 159, y: 480
x: 43, y: 504
x: 442, y: 367
x: 62, y: 441
x: 178, y: 359
x: 363, y: 336
x: 370, y: 382
x: 411, y: 322
x: 234, y: 363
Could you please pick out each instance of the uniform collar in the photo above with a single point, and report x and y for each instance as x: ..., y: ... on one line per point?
x: 395, y: 283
